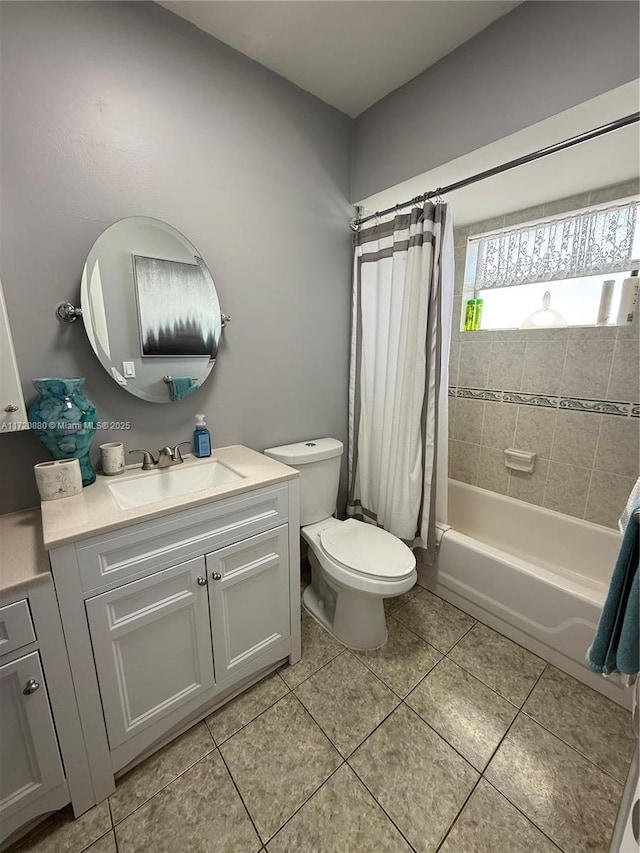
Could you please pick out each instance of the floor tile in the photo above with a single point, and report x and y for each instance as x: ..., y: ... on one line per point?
x: 490, y: 824
x: 278, y: 761
x: 106, y: 844
x: 391, y: 604
x: 586, y: 720
x: 318, y: 648
x: 435, y: 620
x: 145, y: 780
x: 342, y: 817
x: 417, y: 778
x: 229, y: 719
x: 347, y: 701
x: 567, y: 797
x: 63, y: 834
x: 403, y: 660
x: 464, y: 711
x: 200, y: 812
x: 501, y: 664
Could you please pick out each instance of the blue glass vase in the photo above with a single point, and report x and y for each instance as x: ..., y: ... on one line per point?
x: 65, y: 421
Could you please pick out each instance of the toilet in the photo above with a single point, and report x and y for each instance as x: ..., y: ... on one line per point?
x: 354, y: 565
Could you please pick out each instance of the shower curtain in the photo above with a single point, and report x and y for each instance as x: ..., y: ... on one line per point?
x: 401, y: 333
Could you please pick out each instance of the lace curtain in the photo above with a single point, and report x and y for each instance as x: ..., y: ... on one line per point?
x: 590, y: 242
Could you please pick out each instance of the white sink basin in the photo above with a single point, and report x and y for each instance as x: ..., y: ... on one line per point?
x: 172, y: 482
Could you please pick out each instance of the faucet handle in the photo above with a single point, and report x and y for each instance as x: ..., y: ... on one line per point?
x: 177, y: 456
x: 148, y: 459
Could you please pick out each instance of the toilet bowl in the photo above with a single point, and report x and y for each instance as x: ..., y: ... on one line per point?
x: 354, y: 565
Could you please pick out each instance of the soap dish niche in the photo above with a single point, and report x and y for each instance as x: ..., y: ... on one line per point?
x: 519, y: 460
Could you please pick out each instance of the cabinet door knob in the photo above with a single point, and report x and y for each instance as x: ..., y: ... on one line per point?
x: 11, y: 408
x: 31, y: 686
x: 202, y: 581
x: 216, y: 576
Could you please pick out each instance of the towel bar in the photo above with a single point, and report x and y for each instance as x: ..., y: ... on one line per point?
x: 169, y: 379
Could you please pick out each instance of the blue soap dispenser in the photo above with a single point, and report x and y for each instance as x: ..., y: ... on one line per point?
x: 201, y: 438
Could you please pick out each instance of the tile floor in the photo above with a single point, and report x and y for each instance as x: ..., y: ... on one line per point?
x: 451, y: 738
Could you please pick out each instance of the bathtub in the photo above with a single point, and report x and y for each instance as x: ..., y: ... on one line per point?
x: 535, y: 575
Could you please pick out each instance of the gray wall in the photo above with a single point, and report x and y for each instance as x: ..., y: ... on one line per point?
x: 540, y: 59
x: 117, y: 109
x: 568, y: 395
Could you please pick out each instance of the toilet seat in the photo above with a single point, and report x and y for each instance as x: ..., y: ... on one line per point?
x: 367, y: 550
x: 347, y: 598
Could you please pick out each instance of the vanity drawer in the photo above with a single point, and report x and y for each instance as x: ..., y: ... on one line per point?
x: 112, y: 558
x: 16, y: 627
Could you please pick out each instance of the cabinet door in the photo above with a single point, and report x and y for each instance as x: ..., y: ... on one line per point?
x: 249, y: 599
x: 152, y: 647
x: 29, y: 758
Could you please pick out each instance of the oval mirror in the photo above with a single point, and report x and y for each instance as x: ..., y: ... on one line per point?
x: 150, y: 309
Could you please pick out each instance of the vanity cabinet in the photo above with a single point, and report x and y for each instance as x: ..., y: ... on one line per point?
x: 168, y: 618
x: 31, y: 764
x: 249, y: 601
x: 43, y: 762
x: 152, y: 647
x: 161, y: 642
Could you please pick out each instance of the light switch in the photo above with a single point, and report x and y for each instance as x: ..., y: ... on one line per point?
x: 128, y: 369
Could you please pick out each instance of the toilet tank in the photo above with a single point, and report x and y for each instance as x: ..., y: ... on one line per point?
x: 318, y: 462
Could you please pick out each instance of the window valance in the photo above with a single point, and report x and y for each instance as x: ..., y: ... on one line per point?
x: 583, y: 243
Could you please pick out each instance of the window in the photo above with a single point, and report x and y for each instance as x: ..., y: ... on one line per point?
x: 568, y: 257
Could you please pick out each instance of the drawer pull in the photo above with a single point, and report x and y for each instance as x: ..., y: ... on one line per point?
x: 216, y: 576
x: 31, y: 686
x: 202, y: 581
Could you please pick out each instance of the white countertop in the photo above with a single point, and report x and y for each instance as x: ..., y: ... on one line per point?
x: 23, y: 559
x: 95, y: 510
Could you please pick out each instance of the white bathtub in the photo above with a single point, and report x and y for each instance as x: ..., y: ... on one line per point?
x: 535, y: 575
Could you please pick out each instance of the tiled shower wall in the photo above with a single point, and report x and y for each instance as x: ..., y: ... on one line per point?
x: 569, y: 395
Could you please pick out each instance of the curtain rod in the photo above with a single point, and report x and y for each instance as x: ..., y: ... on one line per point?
x: 504, y: 167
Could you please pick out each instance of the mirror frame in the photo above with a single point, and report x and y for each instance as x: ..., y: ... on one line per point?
x: 115, y: 325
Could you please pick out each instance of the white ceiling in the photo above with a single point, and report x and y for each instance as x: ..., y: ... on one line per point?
x: 601, y: 162
x: 349, y: 53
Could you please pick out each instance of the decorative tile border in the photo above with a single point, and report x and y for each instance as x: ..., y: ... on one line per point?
x: 576, y: 404
x: 604, y: 407
x: 543, y: 400
x: 480, y: 394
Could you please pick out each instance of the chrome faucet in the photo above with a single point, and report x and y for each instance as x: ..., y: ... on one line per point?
x: 148, y: 459
x: 167, y: 457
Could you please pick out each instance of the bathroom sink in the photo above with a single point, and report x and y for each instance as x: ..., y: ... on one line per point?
x: 171, y: 482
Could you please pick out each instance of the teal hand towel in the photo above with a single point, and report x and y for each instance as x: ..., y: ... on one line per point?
x: 616, y: 645
x: 628, y: 653
x: 181, y: 386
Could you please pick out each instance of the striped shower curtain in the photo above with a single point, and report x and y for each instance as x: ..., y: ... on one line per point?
x: 401, y: 332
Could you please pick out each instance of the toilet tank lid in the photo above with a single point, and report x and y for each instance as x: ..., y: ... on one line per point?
x: 304, y: 452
